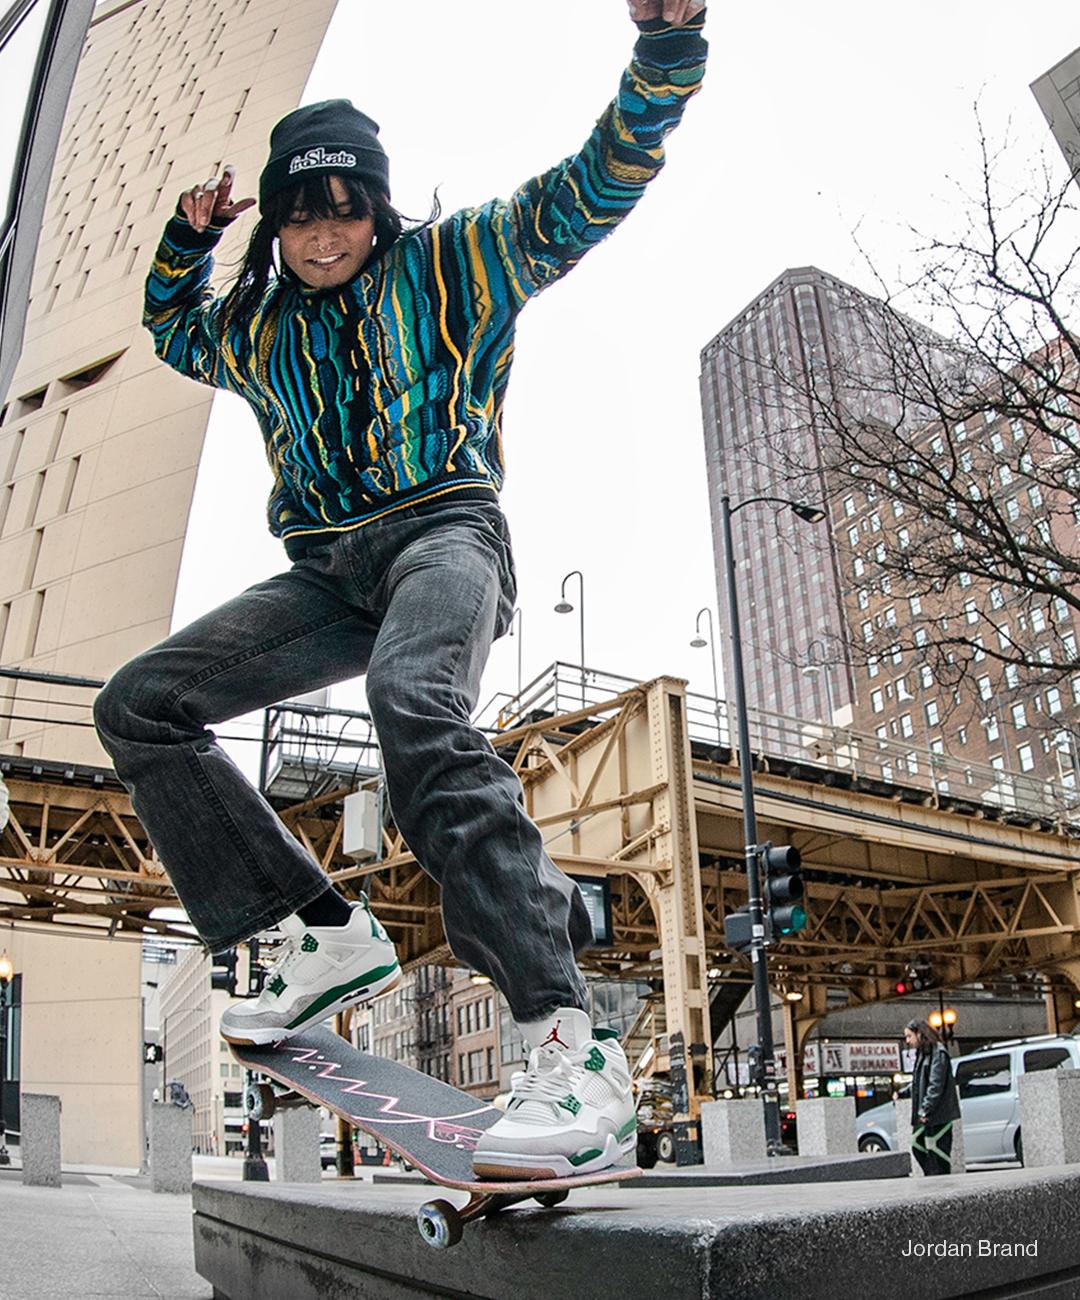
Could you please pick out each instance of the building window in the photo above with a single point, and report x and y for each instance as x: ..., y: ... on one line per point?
x: 964, y: 579
x: 853, y: 537
x: 849, y: 506
x: 997, y: 600
x: 926, y: 676
x: 872, y: 668
x: 906, y: 727
x: 920, y: 636
x: 971, y: 614
x: 915, y: 602
x: 991, y: 725
x: 877, y: 700
x: 898, y: 509
x: 1019, y: 716
x: 1012, y: 509
x: 1053, y: 700
x: 978, y: 653
x: 932, y: 713
x: 858, y: 567
x: 1012, y: 676
x: 864, y: 598
x: 1026, y: 757
x: 902, y: 692
x: 961, y: 735
x: 875, y: 522
x: 985, y: 690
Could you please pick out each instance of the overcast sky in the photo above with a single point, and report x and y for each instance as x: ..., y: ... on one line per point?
x: 814, y: 120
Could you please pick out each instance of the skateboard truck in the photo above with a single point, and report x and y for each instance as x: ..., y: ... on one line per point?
x: 261, y: 1100
x: 442, y: 1224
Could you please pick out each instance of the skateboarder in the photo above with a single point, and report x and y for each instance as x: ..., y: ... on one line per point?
x: 376, y: 360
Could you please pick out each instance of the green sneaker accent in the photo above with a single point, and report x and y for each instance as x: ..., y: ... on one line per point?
x: 332, y: 995
x: 605, y: 1035
x: 571, y: 1104
x: 629, y: 1127
x: 309, y: 943
x: 596, y: 1059
x: 582, y: 1156
x: 277, y: 986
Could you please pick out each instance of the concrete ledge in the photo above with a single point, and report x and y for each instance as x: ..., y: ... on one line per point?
x: 782, y: 1169
x: 357, y: 1242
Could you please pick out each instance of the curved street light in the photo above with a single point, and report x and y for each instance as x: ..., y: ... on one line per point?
x: 564, y: 607
x: 810, y: 514
x: 814, y: 666
x: 699, y: 643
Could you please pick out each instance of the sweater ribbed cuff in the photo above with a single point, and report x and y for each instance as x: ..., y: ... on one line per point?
x: 662, y: 45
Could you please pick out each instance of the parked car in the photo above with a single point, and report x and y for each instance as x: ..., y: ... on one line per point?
x: 987, y: 1082
x: 327, y: 1150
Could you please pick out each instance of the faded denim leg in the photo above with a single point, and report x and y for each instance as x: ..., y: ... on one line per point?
x: 235, y: 867
x: 507, y: 910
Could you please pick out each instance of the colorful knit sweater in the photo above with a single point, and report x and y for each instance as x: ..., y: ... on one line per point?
x: 388, y: 390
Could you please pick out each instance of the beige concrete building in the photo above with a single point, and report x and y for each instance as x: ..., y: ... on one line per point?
x: 99, y: 442
x: 196, y: 1055
x: 99, y: 447
x: 78, y: 1025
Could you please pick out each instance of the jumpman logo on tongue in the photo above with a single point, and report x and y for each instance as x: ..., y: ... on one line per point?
x: 553, y: 1037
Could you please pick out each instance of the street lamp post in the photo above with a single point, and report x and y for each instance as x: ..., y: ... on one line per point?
x: 516, y: 617
x: 751, y: 848
x: 7, y: 974
x: 813, y: 667
x: 698, y: 643
x: 564, y: 607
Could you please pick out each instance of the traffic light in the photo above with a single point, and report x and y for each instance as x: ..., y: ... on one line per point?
x: 223, y: 971
x: 256, y: 973
x: 782, y: 888
x: 153, y: 1053
x: 737, y: 930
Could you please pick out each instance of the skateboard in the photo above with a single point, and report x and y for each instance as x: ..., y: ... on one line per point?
x: 429, y: 1123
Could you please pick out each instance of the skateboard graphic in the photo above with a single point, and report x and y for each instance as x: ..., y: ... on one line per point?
x: 431, y: 1124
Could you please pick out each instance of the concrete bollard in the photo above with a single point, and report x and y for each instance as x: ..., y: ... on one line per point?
x: 40, y: 1144
x: 826, y: 1126
x: 170, y: 1148
x: 903, y: 1139
x: 296, y: 1145
x: 1050, y: 1117
x: 732, y: 1132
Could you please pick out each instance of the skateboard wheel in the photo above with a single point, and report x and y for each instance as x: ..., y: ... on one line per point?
x: 550, y: 1199
x: 440, y: 1224
x: 259, y: 1100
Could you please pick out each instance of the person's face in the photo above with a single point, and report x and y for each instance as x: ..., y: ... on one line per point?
x: 911, y: 1038
x: 324, y: 252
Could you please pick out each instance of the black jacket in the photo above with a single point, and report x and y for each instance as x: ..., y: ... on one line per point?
x: 933, y: 1090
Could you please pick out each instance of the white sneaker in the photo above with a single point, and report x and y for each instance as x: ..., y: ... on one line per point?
x: 319, y: 971
x: 570, y: 1112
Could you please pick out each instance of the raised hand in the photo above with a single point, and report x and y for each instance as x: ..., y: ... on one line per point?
x: 676, y: 12
x: 213, y: 199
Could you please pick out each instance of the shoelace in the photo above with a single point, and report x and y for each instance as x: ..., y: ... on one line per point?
x: 549, y: 1075
x: 285, y: 954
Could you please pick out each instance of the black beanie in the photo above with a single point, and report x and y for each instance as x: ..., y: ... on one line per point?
x: 331, y: 137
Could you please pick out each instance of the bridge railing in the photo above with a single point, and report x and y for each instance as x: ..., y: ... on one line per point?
x: 894, y: 762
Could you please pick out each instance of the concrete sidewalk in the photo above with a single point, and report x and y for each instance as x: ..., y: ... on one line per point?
x: 96, y: 1237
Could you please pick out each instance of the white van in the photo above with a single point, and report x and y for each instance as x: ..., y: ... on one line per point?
x: 987, y: 1082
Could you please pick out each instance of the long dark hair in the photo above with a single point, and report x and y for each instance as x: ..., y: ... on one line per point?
x: 927, y: 1034
x: 314, y: 196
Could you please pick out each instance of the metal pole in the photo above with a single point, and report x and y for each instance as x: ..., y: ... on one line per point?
x: 758, y: 962
x: 5, y: 1159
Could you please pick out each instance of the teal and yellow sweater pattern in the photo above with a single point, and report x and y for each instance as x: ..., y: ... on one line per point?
x: 388, y: 391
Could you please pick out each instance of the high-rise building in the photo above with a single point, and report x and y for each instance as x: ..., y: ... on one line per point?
x: 831, y: 598
x: 1058, y: 95
x: 100, y: 442
x: 761, y: 442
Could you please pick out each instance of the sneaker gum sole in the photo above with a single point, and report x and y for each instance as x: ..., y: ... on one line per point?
x: 271, y: 1036
x: 511, y: 1173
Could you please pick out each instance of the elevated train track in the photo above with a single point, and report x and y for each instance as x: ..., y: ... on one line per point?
x: 896, y: 876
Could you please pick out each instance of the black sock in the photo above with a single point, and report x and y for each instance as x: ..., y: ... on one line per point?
x: 328, y: 909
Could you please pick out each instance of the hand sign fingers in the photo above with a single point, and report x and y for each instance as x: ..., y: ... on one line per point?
x: 676, y: 12
x: 201, y: 204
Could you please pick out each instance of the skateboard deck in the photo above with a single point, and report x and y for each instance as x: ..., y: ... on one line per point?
x: 431, y: 1124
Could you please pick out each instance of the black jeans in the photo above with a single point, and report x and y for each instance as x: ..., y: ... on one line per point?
x: 415, y: 601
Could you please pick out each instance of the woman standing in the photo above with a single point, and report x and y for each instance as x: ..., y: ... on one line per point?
x: 935, y: 1106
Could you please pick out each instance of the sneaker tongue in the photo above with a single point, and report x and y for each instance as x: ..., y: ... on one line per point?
x: 568, y: 1029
